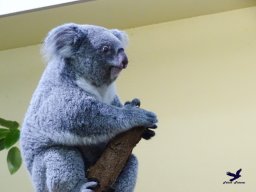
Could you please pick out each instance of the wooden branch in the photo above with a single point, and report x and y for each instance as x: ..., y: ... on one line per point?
x: 108, y: 167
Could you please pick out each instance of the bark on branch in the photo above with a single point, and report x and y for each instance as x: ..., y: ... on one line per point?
x: 113, y: 159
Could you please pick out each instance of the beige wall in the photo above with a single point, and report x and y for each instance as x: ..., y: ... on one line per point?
x: 20, y: 70
x: 198, y: 75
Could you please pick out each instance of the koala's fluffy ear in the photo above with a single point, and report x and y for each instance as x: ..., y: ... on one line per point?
x: 62, y: 41
x: 121, y: 35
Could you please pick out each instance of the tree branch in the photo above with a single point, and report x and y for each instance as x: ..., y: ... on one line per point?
x: 108, y: 167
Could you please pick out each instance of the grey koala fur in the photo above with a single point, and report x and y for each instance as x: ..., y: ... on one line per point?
x: 75, y: 105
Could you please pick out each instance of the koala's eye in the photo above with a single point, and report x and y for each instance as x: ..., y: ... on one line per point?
x: 105, y: 49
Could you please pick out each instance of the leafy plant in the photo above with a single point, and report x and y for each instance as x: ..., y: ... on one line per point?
x: 9, y: 135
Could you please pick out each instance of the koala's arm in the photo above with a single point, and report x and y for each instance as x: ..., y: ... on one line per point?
x: 76, y: 120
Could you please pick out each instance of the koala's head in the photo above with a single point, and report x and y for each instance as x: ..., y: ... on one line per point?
x: 91, y: 52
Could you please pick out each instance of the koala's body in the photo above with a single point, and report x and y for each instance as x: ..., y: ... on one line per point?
x: 76, y: 105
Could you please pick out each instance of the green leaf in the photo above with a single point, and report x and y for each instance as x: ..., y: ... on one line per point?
x: 3, y: 132
x: 11, y: 138
x: 2, y: 144
x: 14, y: 160
x: 9, y: 124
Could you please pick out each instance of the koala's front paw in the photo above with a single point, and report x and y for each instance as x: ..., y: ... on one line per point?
x: 148, y: 134
x: 143, y: 118
x: 90, y: 186
x: 134, y: 103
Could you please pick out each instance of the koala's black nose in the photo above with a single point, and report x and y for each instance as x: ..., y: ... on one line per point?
x: 123, y: 57
x: 125, y: 61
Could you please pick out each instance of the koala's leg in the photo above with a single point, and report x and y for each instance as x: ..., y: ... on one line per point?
x: 127, y: 179
x: 65, y: 171
x: 38, y: 174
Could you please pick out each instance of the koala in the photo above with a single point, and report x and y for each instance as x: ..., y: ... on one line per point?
x: 76, y: 106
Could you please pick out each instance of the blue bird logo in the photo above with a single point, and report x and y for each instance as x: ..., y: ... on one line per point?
x: 234, y: 176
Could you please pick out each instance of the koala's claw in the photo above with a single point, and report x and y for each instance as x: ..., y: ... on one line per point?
x: 134, y: 103
x: 148, y: 134
x: 94, y: 179
x: 91, y: 185
x: 153, y: 126
x: 127, y: 103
